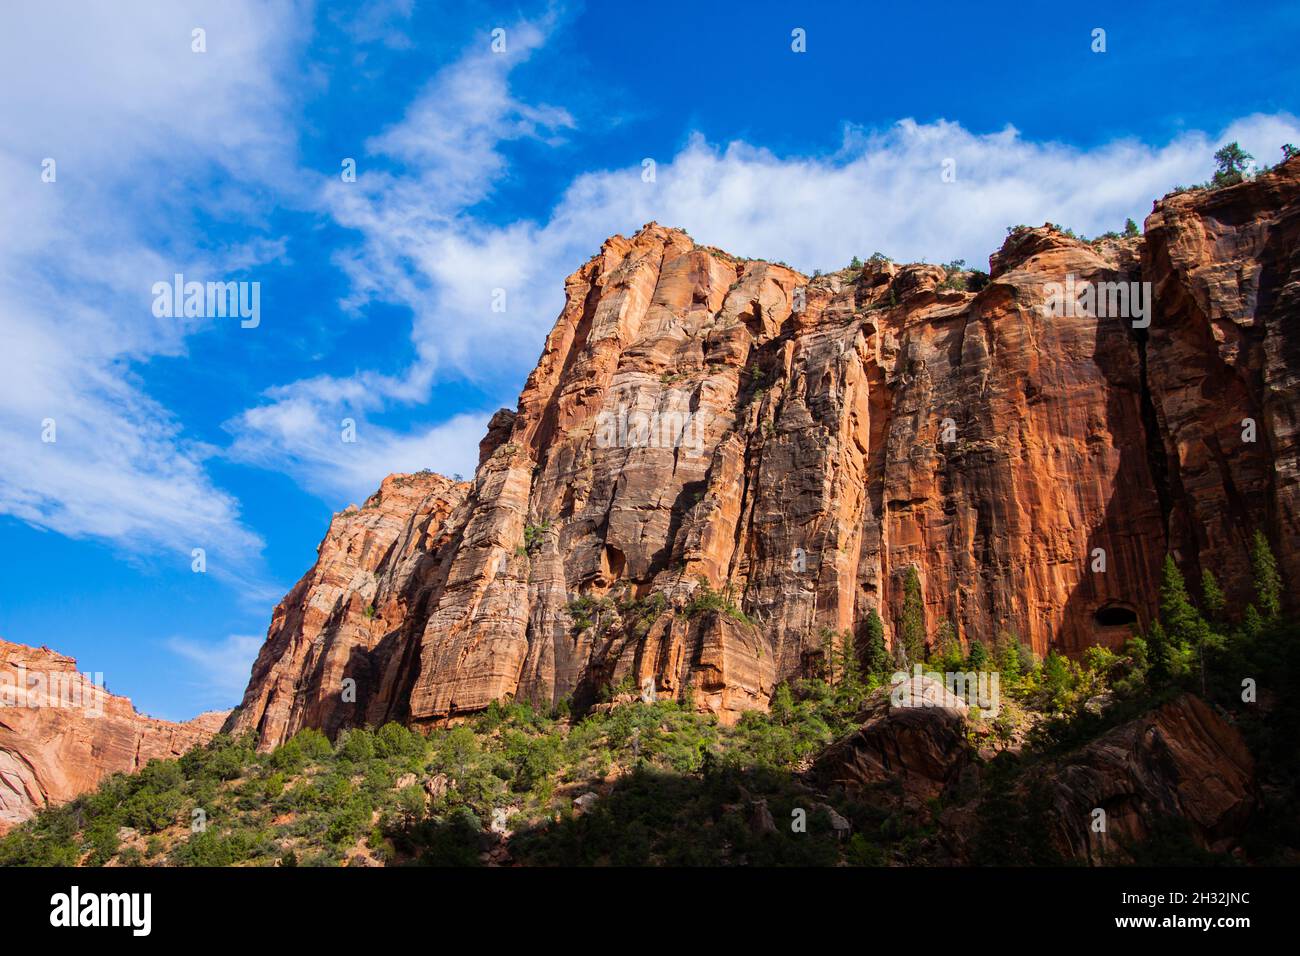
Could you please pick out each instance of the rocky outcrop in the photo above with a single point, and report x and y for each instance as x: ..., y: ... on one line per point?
x: 912, y: 736
x: 61, y: 733
x: 719, y: 461
x: 1182, y: 761
x: 342, y: 643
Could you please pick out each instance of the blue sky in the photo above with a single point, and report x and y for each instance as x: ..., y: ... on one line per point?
x: 477, y: 170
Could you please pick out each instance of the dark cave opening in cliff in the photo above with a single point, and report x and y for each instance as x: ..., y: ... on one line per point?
x: 1114, y: 615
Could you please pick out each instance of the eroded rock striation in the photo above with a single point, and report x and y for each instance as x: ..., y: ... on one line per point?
x: 717, y: 461
x: 1180, y: 762
x: 61, y: 733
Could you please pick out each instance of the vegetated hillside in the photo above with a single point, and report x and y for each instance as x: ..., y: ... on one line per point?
x: 631, y: 782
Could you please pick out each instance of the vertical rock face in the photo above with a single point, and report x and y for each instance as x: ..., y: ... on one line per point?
x: 61, y: 733
x: 1223, y: 359
x: 341, y: 643
x: 718, y: 461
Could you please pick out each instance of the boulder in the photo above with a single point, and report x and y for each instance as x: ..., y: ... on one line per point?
x: 911, y: 734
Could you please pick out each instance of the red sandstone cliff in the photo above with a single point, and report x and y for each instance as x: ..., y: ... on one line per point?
x: 799, y: 444
x: 60, y: 733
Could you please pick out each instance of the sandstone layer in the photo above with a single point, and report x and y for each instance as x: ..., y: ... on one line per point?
x: 1181, y: 762
x: 61, y: 733
x: 719, y: 461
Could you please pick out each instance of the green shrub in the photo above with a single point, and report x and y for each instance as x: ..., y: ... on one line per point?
x: 356, y: 745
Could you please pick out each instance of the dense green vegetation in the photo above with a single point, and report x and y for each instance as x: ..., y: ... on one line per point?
x: 313, y: 803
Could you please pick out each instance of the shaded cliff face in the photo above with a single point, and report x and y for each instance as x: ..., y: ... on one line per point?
x: 1182, y: 761
x: 704, y: 425
x: 61, y: 733
x: 1225, y: 351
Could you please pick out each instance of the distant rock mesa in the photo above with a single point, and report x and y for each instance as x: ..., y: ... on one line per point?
x: 51, y: 752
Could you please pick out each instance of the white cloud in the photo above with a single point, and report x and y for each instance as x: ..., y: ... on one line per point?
x: 113, y: 93
x: 448, y: 146
x: 218, y: 671
x: 422, y: 246
x: 302, y: 435
x: 883, y: 191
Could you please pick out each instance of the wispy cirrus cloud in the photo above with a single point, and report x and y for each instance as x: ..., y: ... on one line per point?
x: 441, y: 159
x: 114, y: 97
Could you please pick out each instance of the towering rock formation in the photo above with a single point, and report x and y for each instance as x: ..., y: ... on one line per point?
x: 356, y: 616
x: 61, y: 733
x: 718, y: 462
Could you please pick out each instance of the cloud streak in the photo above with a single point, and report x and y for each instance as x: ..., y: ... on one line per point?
x: 123, y: 104
x: 218, y: 671
x: 422, y: 246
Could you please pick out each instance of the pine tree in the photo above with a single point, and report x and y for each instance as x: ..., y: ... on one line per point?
x: 1231, y: 161
x: 1182, y: 632
x: 877, y: 655
x: 1216, y: 614
x: 1252, y: 624
x: 1058, y: 680
x: 1008, y: 651
x: 1268, y: 583
x: 980, y: 658
x: 948, y: 648
x: 1215, y: 603
x: 912, y: 624
x: 782, y: 706
x: 851, y: 686
x: 830, y: 662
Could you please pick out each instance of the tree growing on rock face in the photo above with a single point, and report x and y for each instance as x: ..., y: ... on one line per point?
x: 1216, y: 608
x: 851, y: 686
x: 1181, y: 634
x: 830, y: 658
x: 1212, y: 598
x: 876, y: 657
x: 1008, y: 658
x: 1268, y: 583
x: 948, y: 653
x: 912, y: 621
x: 1058, y: 680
